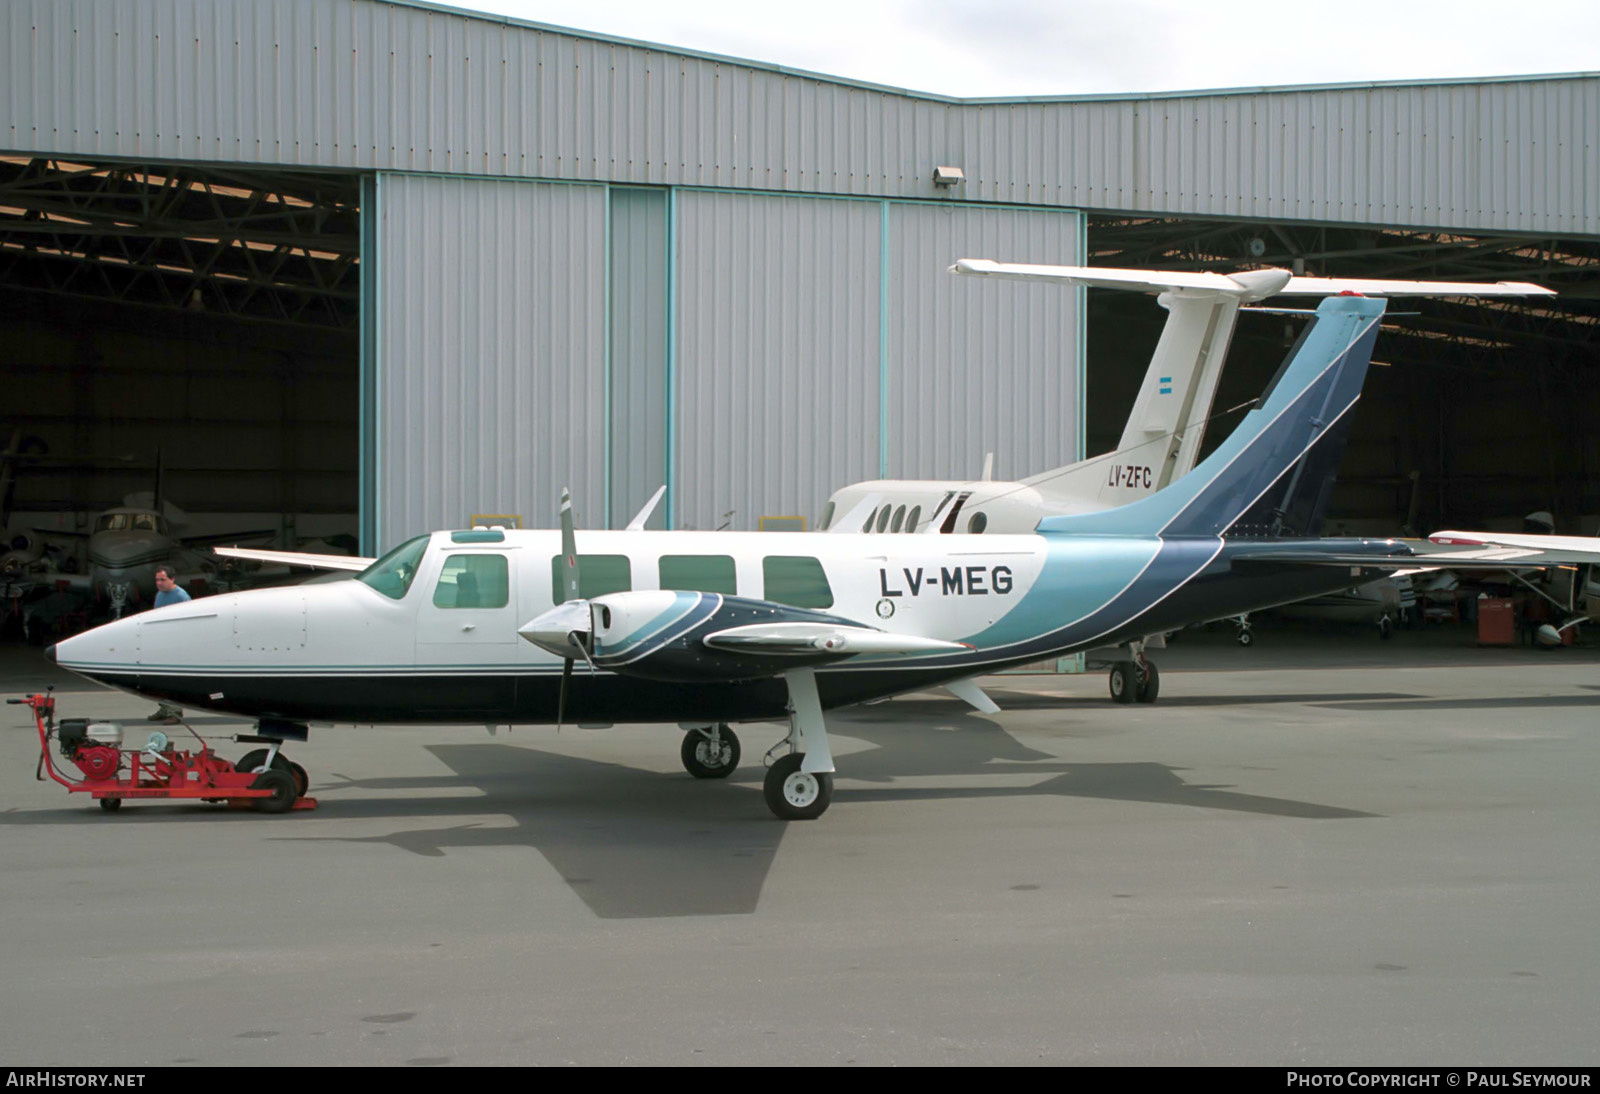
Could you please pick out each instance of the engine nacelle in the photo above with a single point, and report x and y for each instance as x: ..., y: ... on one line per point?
x: 660, y: 635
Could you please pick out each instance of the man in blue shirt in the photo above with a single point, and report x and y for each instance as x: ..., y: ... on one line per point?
x: 167, y: 592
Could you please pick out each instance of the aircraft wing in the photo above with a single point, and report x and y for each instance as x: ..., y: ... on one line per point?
x: 809, y: 638
x: 297, y: 558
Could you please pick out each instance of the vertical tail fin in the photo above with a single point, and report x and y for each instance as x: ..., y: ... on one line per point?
x: 1273, y: 475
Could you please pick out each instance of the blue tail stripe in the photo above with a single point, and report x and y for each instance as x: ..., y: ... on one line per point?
x: 1319, y: 384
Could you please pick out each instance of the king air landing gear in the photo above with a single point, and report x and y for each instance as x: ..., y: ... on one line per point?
x: 1136, y: 678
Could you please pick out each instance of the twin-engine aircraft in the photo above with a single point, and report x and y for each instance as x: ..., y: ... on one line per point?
x: 704, y: 628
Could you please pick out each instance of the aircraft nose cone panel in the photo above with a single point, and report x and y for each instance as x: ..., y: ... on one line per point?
x: 50, y: 653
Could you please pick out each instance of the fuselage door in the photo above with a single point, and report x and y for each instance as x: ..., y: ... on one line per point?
x: 469, y: 614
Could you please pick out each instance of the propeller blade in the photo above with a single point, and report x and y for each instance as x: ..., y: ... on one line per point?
x: 561, y: 703
x: 569, y: 549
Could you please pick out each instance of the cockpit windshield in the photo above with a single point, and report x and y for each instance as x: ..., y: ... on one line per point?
x: 392, y: 574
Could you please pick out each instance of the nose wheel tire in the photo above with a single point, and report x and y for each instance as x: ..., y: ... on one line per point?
x: 793, y: 794
x: 256, y: 759
x: 707, y: 760
x: 281, y: 783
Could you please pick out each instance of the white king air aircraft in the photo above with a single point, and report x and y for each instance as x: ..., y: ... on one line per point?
x: 706, y: 628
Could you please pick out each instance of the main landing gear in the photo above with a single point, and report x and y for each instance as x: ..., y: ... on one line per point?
x: 799, y: 785
x: 799, y: 780
x: 1135, y: 679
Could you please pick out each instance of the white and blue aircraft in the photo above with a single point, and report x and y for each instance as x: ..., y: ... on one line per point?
x: 703, y: 629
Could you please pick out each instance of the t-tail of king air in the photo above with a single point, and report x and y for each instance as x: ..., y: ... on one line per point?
x: 702, y: 629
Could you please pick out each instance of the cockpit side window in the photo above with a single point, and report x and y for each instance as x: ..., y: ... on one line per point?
x: 473, y: 581
x: 392, y: 574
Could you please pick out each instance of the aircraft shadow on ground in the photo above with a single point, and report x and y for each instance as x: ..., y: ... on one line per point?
x: 646, y: 844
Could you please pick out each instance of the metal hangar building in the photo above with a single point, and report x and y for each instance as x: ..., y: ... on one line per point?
x: 382, y: 266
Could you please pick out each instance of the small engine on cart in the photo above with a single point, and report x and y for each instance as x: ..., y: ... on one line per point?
x: 96, y: 747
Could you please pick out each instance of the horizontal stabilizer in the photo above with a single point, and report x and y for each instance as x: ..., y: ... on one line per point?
x: 1554, y: 549
x: 1248, y: 285
x: 297, y: 558
x: 1390, y: 556
x: 809, y: 638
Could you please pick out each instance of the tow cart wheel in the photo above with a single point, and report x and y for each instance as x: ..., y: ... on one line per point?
x: 302, y: 781
x: 793, y: 794
x: 705, y: 761
x: 281, y: 783
x: 1122, y: 682
x: 1149, y: 683
x: 110, y: 805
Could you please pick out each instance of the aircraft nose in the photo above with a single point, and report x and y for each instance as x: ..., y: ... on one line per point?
x: 50, y: 652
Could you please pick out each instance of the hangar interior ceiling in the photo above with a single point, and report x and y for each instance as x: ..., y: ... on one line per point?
x: 206, y: 314
x: 1476, y: 413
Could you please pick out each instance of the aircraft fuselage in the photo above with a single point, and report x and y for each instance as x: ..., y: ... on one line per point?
x: 353, y: 652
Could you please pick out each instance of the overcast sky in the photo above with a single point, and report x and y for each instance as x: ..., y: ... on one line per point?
x: 1076, y: 47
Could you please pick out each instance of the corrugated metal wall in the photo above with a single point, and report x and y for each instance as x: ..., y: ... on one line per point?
x: 638, y: 387
x: 745, y: 370
x: 490, y: 354
x: 776, y: 374
x: 978, y: 366
x: 365, y: 84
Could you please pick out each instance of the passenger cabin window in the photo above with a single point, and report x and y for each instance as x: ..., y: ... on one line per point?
x: 883, y: 518
x: 867, y: 527
x: 978, y: 523
x: 796, y: 580
x: 912, y: 518
x: 473, y: 581
x: 899, y: 518
x: 392, y: 574
x: 597, y: 576
x: 699, y: 573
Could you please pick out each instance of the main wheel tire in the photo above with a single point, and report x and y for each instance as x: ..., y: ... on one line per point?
x: 1149, y: 683
x: 1123, y: 682
x: 793, y: 794
x: 110, y: 805
x: 302, y: 781
x: 281, y: 783
x: 1245, y: 638
x: 1385, y: 628
x: 703, y: 761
